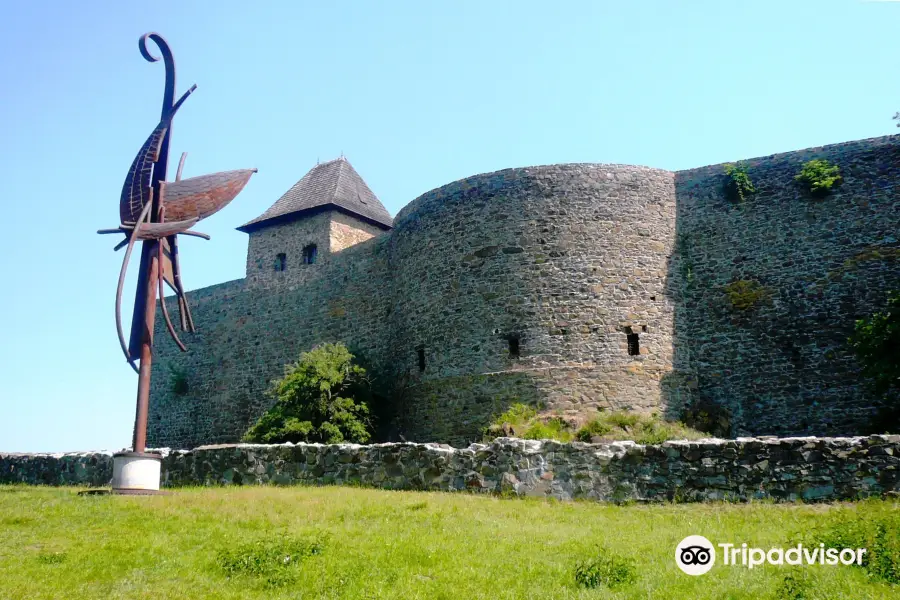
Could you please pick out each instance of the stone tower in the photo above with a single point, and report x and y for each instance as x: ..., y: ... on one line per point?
x: 330, y: 209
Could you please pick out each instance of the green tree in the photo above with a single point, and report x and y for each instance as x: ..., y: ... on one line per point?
x: 323, y: 397
x: 876, y: 343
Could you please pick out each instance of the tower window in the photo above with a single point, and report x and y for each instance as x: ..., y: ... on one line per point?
x: 421, y: 352
x: 281, y: 262
x: 634, y: 344
x: 309, y: 254
x: 514, y: 346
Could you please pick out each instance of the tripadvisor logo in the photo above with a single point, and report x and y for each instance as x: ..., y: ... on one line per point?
x: 695, y: 555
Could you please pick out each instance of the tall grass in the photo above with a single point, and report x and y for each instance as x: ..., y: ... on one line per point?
x: 299, y: 542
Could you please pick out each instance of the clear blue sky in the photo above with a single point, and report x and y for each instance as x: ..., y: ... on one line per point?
x: 415, y: 94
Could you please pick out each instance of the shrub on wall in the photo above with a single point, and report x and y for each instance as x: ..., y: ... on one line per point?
x: 876, y: 343
x: 745, y: 294
x: 708, y: 416
x: 323, y: 397
x: 819, y: 176
x: 178, y: 381
x: 738, y: 186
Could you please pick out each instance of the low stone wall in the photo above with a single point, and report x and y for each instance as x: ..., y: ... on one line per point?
x: 70, y: 468
x: 746, y: 468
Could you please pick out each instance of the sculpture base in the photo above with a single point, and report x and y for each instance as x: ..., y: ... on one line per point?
x: 136, y: 473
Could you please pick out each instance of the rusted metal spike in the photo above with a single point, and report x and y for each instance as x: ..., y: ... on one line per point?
x: 162, y: 301
x: 131, y: 240
x: 193, y: 233
x: 180, y: 166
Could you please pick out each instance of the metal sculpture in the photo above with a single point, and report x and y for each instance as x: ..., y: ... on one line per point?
x: 155, y: 212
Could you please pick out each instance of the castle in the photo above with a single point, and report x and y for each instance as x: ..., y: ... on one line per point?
x: 573, y: 287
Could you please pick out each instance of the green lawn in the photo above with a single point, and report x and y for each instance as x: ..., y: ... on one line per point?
x: 360, y: 543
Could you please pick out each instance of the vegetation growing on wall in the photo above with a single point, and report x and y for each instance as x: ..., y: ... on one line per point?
x: 745, y: 294
x: 819, y: 176
x: 872, y: 253
x: 683, y: 245
x: 323, y: 397
x: 178, y: 381
x: 706, y: 415
x: 738, y: 186
x: 524, y: 422
x: 876, y: 343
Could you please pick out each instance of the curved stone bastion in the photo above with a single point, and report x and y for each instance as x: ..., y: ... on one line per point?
x: 810, y: 469
x: 544, y: 284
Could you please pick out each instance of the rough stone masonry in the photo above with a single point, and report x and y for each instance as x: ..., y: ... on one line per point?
x: 789, y: 469
x: 572, y: 287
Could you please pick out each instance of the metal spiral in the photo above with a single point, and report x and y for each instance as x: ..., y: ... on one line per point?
x: 168, y: 61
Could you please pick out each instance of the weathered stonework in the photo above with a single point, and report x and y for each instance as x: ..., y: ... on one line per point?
x: 783, y: 364
x: 567, y: 261
x: 63, y: 468
x: 346, y: 231
x: 563, y: 258
x: 331, y: 231
x: 791, y: 469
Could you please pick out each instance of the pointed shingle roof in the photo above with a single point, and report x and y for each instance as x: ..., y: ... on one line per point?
x: 333, y: 184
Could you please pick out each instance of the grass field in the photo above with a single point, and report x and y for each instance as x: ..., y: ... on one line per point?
x: 301, y: 542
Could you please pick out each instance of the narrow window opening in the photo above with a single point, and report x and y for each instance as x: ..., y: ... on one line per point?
x: 421, y: 352
x: 653, y: 298
x: 644, y: 328
x: 309, y: 254
x: 281, y: 262
x: 634, y: 345
x: 514, y: 347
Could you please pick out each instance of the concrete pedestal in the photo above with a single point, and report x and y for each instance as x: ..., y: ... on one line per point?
x: 136, y: 473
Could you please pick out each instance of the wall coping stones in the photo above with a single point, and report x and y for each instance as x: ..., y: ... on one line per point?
x: 795, y: 468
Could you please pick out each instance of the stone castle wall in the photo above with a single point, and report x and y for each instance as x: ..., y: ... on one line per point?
x: 782, y: 365
x: 566, y: 260
x: 561, y: 259
x: 246, y: 334
x: 807, y: 469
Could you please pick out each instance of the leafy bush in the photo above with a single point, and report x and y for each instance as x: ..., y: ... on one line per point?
x: 592, y: 429
x: 878, y: 534
x: 641, y: 428
x: 553, y: 428
x: 273, y: 559
x: 321, y: 398
x: 819, y: 176
x: 607, y: 568
x: 178, y: 381
x: 744, y: 294
x: 876, y: 343
x: 622, y: 419
x: 738, y: 186
x: 525, y: 422
x: 510, y: 423
x: 708, y: 416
